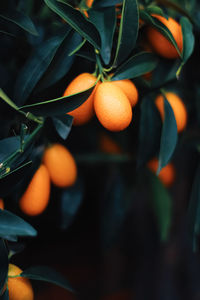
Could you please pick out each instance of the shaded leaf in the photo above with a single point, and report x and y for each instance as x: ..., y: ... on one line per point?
x: 188, y: 38
x: 169, y: 136
x: 5, y: 296
x: 3, y: 264
x: 47, y: 274
x: 105, y: 3
x: 128, y: 31
x: 10, y: 224
x: 63, y: 125
x: 76, y: 20
x: 164, y: 72
x: 19, y: 19
x: 35, y: 67
x: 136, y: 66
x: 105, y: 21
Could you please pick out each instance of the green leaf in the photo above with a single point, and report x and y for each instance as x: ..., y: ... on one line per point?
x: 70, y: 202
x: 160, y: 27
x: 128, y: 31
x: 3, y: 264
x: 19, y: 19
x: 47, y: 274
x: 164, y: 72
x: 105, y: 22
x: 10, y: 224
x: 63, y: 125
x: 76, y: 20
x: 5, y: 295
x: 58, y: 106
x: 105, y: 3
x: 162, y: 206
x: 136, y: 66
x: 188, y: 38
x: 35, y: 67
x: 169, y: 136
x: 61, y: 62
x: 154, y: 9
x: 194, y: 210
x: 149, y: 131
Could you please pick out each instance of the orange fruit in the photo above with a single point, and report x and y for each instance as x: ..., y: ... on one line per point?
x: 112, y: 107
x: 36, y: 197
x: 19, y: 288
x: 1, y: 203
x: 129, y: 89
x: 160, y: 43
x: 84, y: 112
x: 107, y: 145
x: 89, y: 3
x: 61, y: 165
x: 166, y: 175
x: 179, y: 109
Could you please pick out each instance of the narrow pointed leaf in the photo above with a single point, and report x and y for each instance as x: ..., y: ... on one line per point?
x: 188, y: 38
x: 136, y: 66
x: 63, y: 125
x: 169, y: 136
x: 47, y: 274
x: 19, y: 19
x: 105, y: 3
x: 128, y: 31
x: 10, y: 224
x: 5, y: 295
x: 76, y: 20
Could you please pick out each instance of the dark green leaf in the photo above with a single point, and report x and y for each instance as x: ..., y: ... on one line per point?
x: 194, y: 210
x: 162, y: 206
x: 136, y: 66
x: 164, y: 72
x: 76, y: 20
x: 63, y: 125
x: 11, y: 224
x: 105, y: 3
x: 5, y: 296
x: 87, y: 55
x: 128, y: 31
x: 169, y: 136
x: 8, y: 146
x: 160, y: 27
x: 35, y: 67
x: 71, y: 199
x: 58, y: 106
x: 153, y: 9
x: 62, y: 62
x: 19, y: 19
x: 149, y: 131
x: 3, y: 263
x: 188, y: 38
x: 47, y: 274
x: 105, y: 21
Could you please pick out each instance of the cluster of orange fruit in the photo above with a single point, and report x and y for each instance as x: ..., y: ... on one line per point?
x: 111, y: 101
x: 59, y: 167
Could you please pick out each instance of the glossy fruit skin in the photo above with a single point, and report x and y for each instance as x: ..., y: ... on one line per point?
x: 1, y: 203
x: 112, y: 107
x: 19, y: 288
x: 36, y: 197
x: 178, y: 107
x: 61, y: 165
x: 129, y: 89
x: 166, y: 175
x: 160, y: 43
x: 84, y: 113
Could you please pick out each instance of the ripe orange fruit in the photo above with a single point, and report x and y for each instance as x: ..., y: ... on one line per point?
x: 160, y: 43
x: 89, y: 3
x: 19, y: 288
x: 107, y: 145
x: 1, y: 203
x: 129, y: 89
x: 61, y: 165
x: 84, y: 112
x: 166, y: 175
x: 112, y: 107
x: 179, y: 109
x: 36, y: 197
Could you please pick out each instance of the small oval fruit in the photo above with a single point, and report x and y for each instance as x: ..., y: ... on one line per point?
x: 129, y: 89
x: 1, y: 203
x: 36, y: 197
x: 19, y: 288
x: 166, y: 175
x: 161, y: 44
x: 84, y: 112
x: 179, y: 109
x: 61, y: 165
x: 112, y: 107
